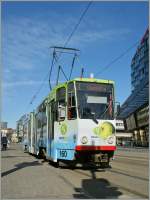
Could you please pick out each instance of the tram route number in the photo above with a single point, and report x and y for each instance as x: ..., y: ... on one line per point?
x: 63, y: 153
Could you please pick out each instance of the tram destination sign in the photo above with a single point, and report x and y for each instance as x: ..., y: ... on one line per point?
x: 98, y: 87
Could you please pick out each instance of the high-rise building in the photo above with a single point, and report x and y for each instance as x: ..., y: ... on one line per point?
x: 20, y: 127
x: 135, y: 110
x: 140, y: 62
x: 3, y: 125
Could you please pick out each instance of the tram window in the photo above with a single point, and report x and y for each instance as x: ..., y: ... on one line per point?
x: 54, y: 111
x: 61, y: 103
x: 44, y: 119
x: 72, y: 114
x: 38, y: 120
x: 41, y: 117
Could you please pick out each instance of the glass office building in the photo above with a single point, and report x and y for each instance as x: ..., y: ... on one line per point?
x: 135, y: 110
x: 140, y: 62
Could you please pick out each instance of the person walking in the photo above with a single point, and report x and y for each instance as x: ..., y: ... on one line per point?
x: 4, y: 142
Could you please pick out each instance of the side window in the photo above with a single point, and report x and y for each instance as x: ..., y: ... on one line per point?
x: 54, y: 111
x: 61, y: 103
x: 71, y: 106
x: 41, y: 117
x: 44, y: 118
x: 38, y: 122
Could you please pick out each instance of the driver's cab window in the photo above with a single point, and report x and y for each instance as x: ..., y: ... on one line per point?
x: 61, y: 103
x: 72, y: 113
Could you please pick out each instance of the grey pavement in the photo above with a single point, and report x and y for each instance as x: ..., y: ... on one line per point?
x: 142, y: 149
x: 26, y: 177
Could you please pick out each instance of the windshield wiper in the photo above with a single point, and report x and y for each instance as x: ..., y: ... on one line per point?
x: 94, y: 118
x: 108, y: 106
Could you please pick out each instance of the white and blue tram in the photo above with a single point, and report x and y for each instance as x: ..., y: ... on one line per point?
x: 75, y: 123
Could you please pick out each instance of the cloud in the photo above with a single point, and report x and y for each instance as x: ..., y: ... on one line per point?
x: 100, y: 36
x: 26, y: 42
x: 7, y: 71
x: 22, y: 83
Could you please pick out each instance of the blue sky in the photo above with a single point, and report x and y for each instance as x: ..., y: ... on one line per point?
x: 30, y: 28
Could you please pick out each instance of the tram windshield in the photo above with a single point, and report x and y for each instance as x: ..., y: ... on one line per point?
x: 95, y: 100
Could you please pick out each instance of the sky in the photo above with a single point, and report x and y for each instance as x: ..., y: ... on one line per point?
x: 29, y: 29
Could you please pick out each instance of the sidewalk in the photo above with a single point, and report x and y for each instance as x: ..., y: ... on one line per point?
x: 133, y: 148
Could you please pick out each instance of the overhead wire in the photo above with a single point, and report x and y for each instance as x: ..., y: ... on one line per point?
x: 78, y: 23
x: 51, y: 68
x: 73, y: 31
x: 116, y: 59
x: 37, y: 92
x: 67, y: 41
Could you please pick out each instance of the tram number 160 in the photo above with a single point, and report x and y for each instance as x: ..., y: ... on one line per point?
x: 63, y: 153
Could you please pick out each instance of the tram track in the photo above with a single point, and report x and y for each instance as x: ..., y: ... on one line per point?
x: 88, y: 182
x: 87, y: 172
x: 112, y: 170
x: 117, y: 171
x: 82, y: 192
x: 131, y: 162
x: 63, y: 173
x: 132, y: 157
x: 132, y: 191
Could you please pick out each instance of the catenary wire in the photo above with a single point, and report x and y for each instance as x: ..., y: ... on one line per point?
x: 116, y: 59
x: 70, y: 36
x: 67, y: 41
x: 37, y: 92
x: 99, y: 72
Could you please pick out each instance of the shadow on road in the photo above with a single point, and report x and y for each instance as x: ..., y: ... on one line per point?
x: 14, y: 156
x: 8, y: 149
x: 20, y: 166
x: 96, y: 188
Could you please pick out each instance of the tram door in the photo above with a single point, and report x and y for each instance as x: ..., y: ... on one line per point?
x: 51, y: 124
x: 35, y: 135
x: 29, y: 133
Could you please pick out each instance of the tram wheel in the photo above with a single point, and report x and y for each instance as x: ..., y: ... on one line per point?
x: 104, y: 164
x: 60, y: 164
x: 72, y: 165
x: 43, y: 154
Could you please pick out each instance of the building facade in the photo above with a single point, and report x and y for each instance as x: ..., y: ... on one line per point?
x: 7, y: 132
x: 14, y: 137
x: 123, y: 138
x: 3, y: 125
x: 21, y: 127
x: 135, y: 110
x: 140, y: 62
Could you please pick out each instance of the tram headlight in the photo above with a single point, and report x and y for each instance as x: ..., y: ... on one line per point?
x: 110, y: 140
x: 84, y: 140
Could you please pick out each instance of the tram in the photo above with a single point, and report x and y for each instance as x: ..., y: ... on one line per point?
x: 75, y: 123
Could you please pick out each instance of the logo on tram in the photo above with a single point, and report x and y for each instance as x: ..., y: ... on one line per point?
x: 63, y: 129
x: 104, y: 130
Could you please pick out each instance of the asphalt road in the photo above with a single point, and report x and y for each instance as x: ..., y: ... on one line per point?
x: 26, y: 177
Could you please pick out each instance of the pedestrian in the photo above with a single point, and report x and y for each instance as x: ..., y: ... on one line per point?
x: 25, y: 143
x: 4, y: 142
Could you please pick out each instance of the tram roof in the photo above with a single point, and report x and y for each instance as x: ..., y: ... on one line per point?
x: 91, y: 80
x: 51, y: 95
x: 94, y: 80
